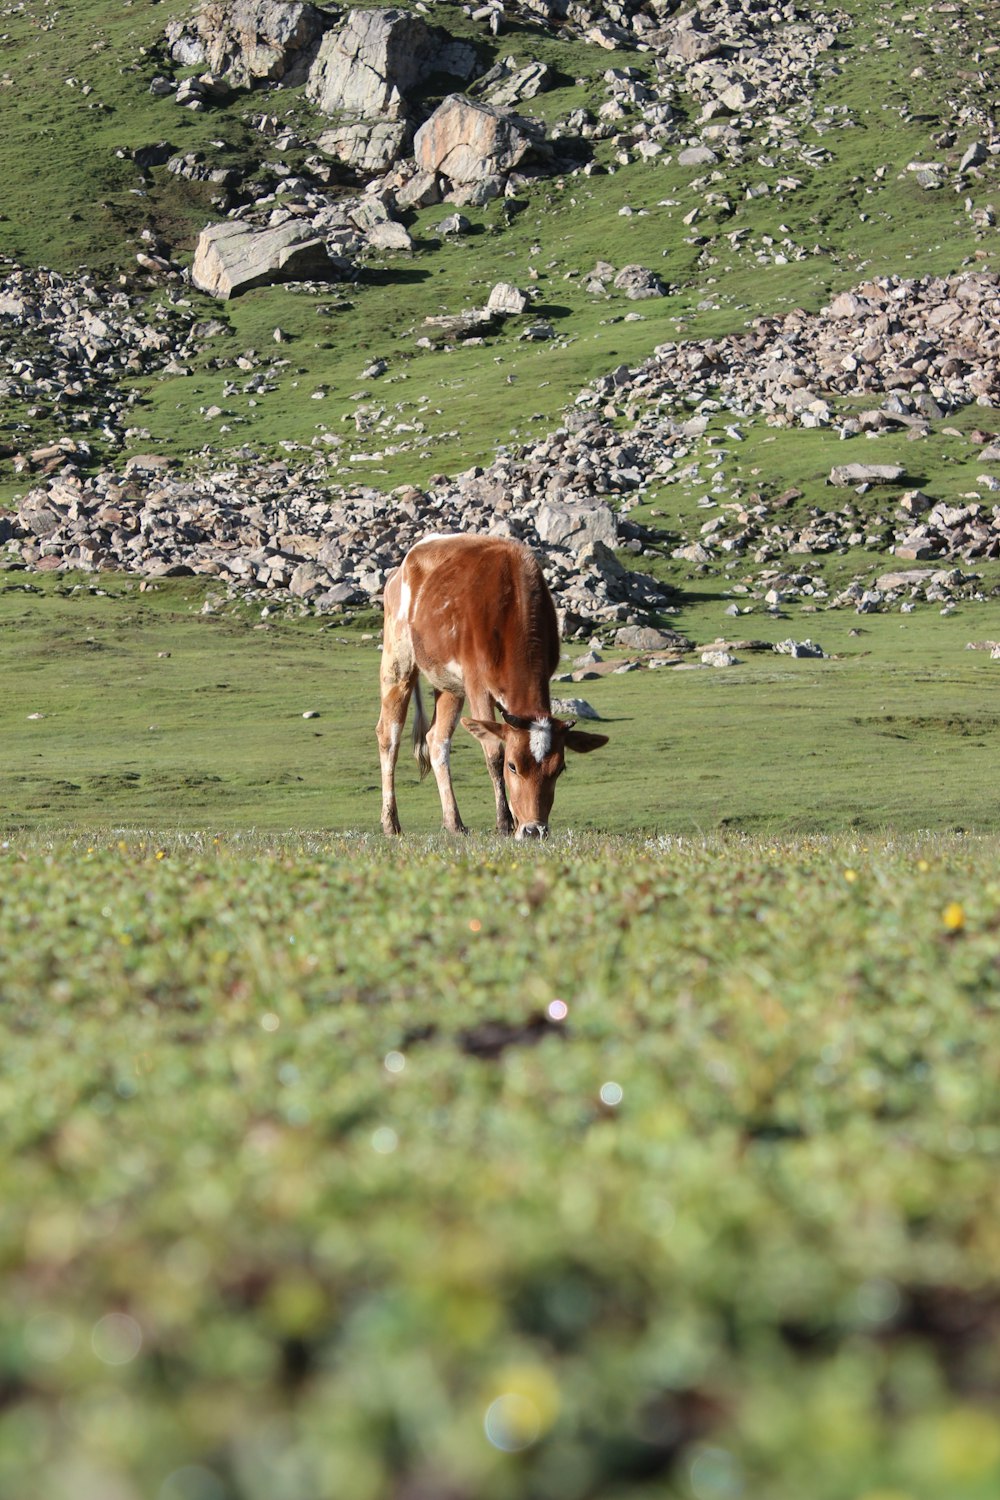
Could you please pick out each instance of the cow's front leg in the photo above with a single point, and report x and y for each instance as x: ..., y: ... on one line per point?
x: 447, y: 707
x: 389, y: 732
x: 494, y: 762
x: 481, y: 707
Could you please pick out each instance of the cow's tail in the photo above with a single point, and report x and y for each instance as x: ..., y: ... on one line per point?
x: 421, y: 724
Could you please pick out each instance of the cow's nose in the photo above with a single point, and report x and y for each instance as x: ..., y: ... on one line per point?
x: 533, y: 831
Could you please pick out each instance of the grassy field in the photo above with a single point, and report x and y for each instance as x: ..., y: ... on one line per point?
x: 135, y: 708
x: 616, y: 1168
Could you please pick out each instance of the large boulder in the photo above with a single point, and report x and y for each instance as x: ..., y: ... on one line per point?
x: 231, y: 257
x: 465, y: 141
x: 565, y: 524
x: 247, y: 40
x: 369, y: 147
x: 366, y: 67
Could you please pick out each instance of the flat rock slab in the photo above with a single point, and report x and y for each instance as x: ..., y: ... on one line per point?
x: 231, y: 258
x: 649, y: 638
x: 846, y: 475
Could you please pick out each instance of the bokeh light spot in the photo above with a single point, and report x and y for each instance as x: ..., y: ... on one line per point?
x: 116, y: 1338
x: 715, y: 1475
x: 192, y: 1482
x: 512, y: 1422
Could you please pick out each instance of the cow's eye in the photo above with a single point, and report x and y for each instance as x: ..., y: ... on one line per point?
x: 511, y: 767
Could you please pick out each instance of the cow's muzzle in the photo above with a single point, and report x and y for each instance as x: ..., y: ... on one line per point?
x: 532, y: 831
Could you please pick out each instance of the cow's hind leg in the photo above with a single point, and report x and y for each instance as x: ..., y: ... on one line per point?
x: 396, y: 686
x: 447, y: 707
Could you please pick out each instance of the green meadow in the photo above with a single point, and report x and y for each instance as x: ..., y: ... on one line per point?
x: 134, y: 707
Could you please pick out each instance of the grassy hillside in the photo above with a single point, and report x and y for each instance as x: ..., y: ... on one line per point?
x: 856, y: 212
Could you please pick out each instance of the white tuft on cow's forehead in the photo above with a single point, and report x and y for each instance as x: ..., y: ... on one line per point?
x: 540, y: 739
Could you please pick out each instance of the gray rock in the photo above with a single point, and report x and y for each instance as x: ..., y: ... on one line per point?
x: 639, y: 282
x: 927, y: 174
x: 368, y: 66
x: 246, y: 41
x: 697, y: 156
x: 419, y: 191
x: 389, y: 236
x: 477, y: 194
x: 688, y: 43
x: 307, y: 579
x: 903, y: 578
x: 845, y: 475
x: 537, y: 332
x: 232, y: 257
x: 914, y: 503
x: 369, y: 147
x: 649, y: 638
x: 799, y: 648
x: 526, y: 83
x: 574, y: 708
x: 574, y: 526
x: 915, y: 546
x: 454, y: 327
x: 974, y: 156
x: 454, y: 224
x: 508, y: 300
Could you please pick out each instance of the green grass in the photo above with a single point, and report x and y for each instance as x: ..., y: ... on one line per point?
x: 896, y: 729
x: 293, y: 1206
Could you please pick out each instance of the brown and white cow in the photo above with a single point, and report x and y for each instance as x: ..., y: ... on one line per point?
x: 474, y: 614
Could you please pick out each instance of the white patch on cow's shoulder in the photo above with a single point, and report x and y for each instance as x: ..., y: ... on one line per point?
x: 540, y: 739
x: 403, y: 613
x: 437, y: 536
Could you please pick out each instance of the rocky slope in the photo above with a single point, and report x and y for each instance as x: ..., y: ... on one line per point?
x: 416, y: 118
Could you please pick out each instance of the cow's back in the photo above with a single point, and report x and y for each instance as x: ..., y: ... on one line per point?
x: 483, y: 604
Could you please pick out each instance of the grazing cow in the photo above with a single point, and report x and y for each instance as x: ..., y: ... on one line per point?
x: 473, y: 613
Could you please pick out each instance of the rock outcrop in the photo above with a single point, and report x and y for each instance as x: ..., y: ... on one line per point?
x: 233, y: 257
x: 367, y: 147
x: 247, y: 41
x: 366, y: 68
x: 466, y: 141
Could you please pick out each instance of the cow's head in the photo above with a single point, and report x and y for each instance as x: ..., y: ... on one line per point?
x: 534, y: 759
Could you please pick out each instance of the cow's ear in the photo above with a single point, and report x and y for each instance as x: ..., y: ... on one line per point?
x: 486, y: 729
x: 582, y: 742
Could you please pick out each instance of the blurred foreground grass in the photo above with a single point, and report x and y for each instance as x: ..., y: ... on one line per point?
x: 615, y: 1168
